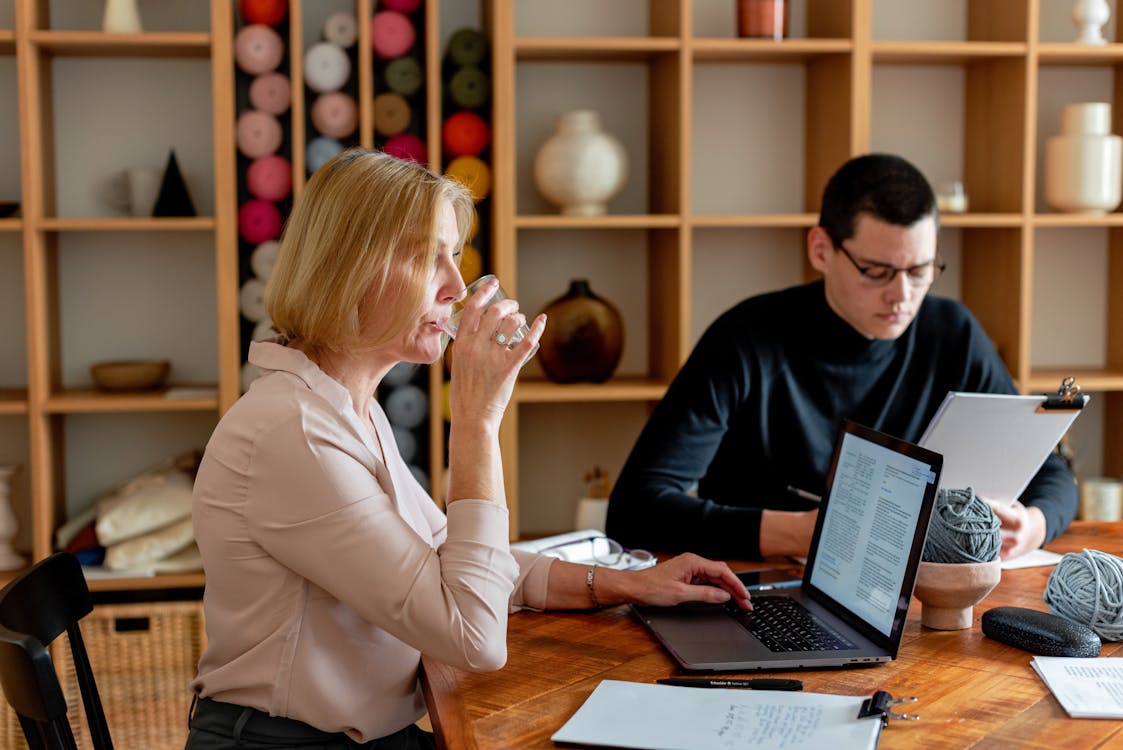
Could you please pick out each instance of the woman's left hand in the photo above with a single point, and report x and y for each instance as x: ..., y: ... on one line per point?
x: 685, y: 578
x: 1023, y: 528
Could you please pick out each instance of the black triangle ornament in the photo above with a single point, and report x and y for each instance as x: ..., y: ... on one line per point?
x: 173, y: 200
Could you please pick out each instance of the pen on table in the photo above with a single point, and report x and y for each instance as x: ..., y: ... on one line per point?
x: 804, y: 494
x: 757, y: 683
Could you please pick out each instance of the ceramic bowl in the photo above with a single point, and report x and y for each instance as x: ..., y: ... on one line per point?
x: 949, y: 592
x: 130, y: 375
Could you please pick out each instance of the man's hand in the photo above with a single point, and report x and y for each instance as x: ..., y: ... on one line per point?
x: 1023, y: 529
x: 785, y: 532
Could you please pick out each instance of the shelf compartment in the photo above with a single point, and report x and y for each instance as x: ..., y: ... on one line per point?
x: 13, y: 401
x: 605, y: 49
x: 748, y: 221
x: 98, y: 44
x: 944, y: 53
x: 1093, y: 379
x: 127, y: 224
x: 88, y: 401
x: 620, y: 221
x: 766, y: 50
x: 1079, y: 54
x: 617, y: 389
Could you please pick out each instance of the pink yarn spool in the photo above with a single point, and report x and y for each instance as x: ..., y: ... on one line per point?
x: 406, y: 146
x: 258, y: 49
x: 257, y: 133
x: 271, y: 93
x: 335, y: 114
x: 391, y: 34
x: 259, y: 221
x: 269, y: 178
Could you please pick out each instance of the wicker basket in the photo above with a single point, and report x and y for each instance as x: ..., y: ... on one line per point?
x: 144, y: 657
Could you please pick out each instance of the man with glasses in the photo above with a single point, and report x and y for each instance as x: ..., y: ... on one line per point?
x: 732, y: 457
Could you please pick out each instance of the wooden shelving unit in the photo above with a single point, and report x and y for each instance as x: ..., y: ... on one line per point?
x: 838, y: 60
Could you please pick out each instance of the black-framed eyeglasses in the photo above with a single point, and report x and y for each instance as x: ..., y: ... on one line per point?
x: 882, y: 274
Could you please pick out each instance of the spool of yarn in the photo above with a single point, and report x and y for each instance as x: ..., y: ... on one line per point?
x: 335, y: 114
x: 271, y: 93
x: 257, y: 133
x: 392, y: 113
x: 326, y: 67
x: 473, y: 173
x: 465, y: 134
x: 469, y: 88
x: 467, y: 47
x: 259, y: 221
x: 391, y: 34
x: 341, y: 28
x: 319, y: 152
x: 402, y: 6
x: 258, y: 49
x: 1087, y: 588
x: 269, y: 12
x: 263, y: 258
x: 404, y: 76
x: 269, y: 177
x: 406, y: 146
x: 963, y: 529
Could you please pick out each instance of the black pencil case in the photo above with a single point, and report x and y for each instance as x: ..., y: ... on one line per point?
x: 1040, y: 633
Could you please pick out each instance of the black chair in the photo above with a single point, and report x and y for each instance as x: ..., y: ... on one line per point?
x: 35, y: 608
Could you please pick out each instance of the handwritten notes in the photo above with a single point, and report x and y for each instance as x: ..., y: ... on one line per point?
x: 665, y: 717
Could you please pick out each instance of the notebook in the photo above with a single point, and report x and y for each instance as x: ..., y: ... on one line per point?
x: 851, y: 605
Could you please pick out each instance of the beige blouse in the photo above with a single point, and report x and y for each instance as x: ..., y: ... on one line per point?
x: 329, y: 571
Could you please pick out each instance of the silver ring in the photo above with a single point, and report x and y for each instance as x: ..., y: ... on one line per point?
x: 500, y: 338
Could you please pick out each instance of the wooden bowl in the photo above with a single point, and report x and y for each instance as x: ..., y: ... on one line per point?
x: 130, y: 375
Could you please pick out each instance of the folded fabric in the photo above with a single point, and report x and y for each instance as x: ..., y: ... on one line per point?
x: 142, y: 551
x: 146, y: 503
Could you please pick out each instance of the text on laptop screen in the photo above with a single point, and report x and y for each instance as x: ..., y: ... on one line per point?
x: 871, y: 515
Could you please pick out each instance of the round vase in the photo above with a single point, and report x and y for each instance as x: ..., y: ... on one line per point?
x: 580, y: 167
x: 1089, y: 17
x: 9, y: 524
x: 121, y: 17
x: 948, y: 592
x: 584, y: 337
x: 1084, y: 164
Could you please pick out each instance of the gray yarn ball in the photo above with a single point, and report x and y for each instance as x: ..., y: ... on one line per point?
x: 963, y: 529
x: 1087, y: 588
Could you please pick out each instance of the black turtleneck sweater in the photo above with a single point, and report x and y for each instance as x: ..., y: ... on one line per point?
x: 757, y: 406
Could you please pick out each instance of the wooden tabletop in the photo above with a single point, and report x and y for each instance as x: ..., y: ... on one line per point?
x: 973, y: 691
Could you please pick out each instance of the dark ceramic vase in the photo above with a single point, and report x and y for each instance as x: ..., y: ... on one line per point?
x: 584, y: 337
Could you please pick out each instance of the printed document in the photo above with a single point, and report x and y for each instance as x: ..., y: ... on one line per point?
x: 666, y: 717
x: 1087, y: 688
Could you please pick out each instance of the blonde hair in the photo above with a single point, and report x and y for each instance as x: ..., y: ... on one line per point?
x: 365, y: 226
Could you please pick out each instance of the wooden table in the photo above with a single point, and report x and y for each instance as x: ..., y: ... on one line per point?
x: 973, y: 691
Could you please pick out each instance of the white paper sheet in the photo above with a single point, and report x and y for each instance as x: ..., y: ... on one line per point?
x: 1037, y: 558
x: 1087, y: 688
x: 993, y: 443
x: 666, y: 717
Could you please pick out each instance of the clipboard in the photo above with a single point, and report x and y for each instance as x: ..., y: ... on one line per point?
x: 664, y: 717
x: 995, y: 443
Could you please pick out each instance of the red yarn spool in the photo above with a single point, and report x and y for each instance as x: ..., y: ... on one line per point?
x: 465, y: 134
x: 406, y: 146
x: 270, y: 12
x: 259, y: 221
x: 269, y: 178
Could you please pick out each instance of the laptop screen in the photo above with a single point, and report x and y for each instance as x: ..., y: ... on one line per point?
x: 867, y: 546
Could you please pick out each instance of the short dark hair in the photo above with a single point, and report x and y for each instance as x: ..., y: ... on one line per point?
x: 885, y: 186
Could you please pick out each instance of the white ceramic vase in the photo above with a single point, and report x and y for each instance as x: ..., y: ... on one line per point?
x: 580, y: 167
x: 121, y: 17
x: 9, y: 525
x: 1089, y: 17
x: 1084, y: 164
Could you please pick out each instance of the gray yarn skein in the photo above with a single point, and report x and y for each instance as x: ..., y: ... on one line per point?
x: 963, y: 529
x: 1087, y: 588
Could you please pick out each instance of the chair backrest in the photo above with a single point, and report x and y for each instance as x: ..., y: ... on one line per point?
x: 35, y: 608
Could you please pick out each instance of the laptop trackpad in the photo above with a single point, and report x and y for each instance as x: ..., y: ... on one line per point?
x: 705, y: 636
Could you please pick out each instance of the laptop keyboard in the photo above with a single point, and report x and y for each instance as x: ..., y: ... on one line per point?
x: 783, y: 624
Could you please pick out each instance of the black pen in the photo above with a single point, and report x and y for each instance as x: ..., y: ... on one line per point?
x: 757, y: 683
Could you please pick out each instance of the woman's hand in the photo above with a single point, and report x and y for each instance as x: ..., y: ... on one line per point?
x: 685, y: 578
x: 483, y: 369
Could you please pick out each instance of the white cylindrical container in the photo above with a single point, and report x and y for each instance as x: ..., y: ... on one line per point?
x: 121, y: 17
x: 1084, y: 164
x: 9, y: 558
x: 1101, y: 499
x: 580, y: 167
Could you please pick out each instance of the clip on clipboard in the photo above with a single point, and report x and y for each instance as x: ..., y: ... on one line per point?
x: 880, y: 705
x: 1067, y: 398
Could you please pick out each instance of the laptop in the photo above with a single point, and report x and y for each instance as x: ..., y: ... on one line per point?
x: 850, y: 608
